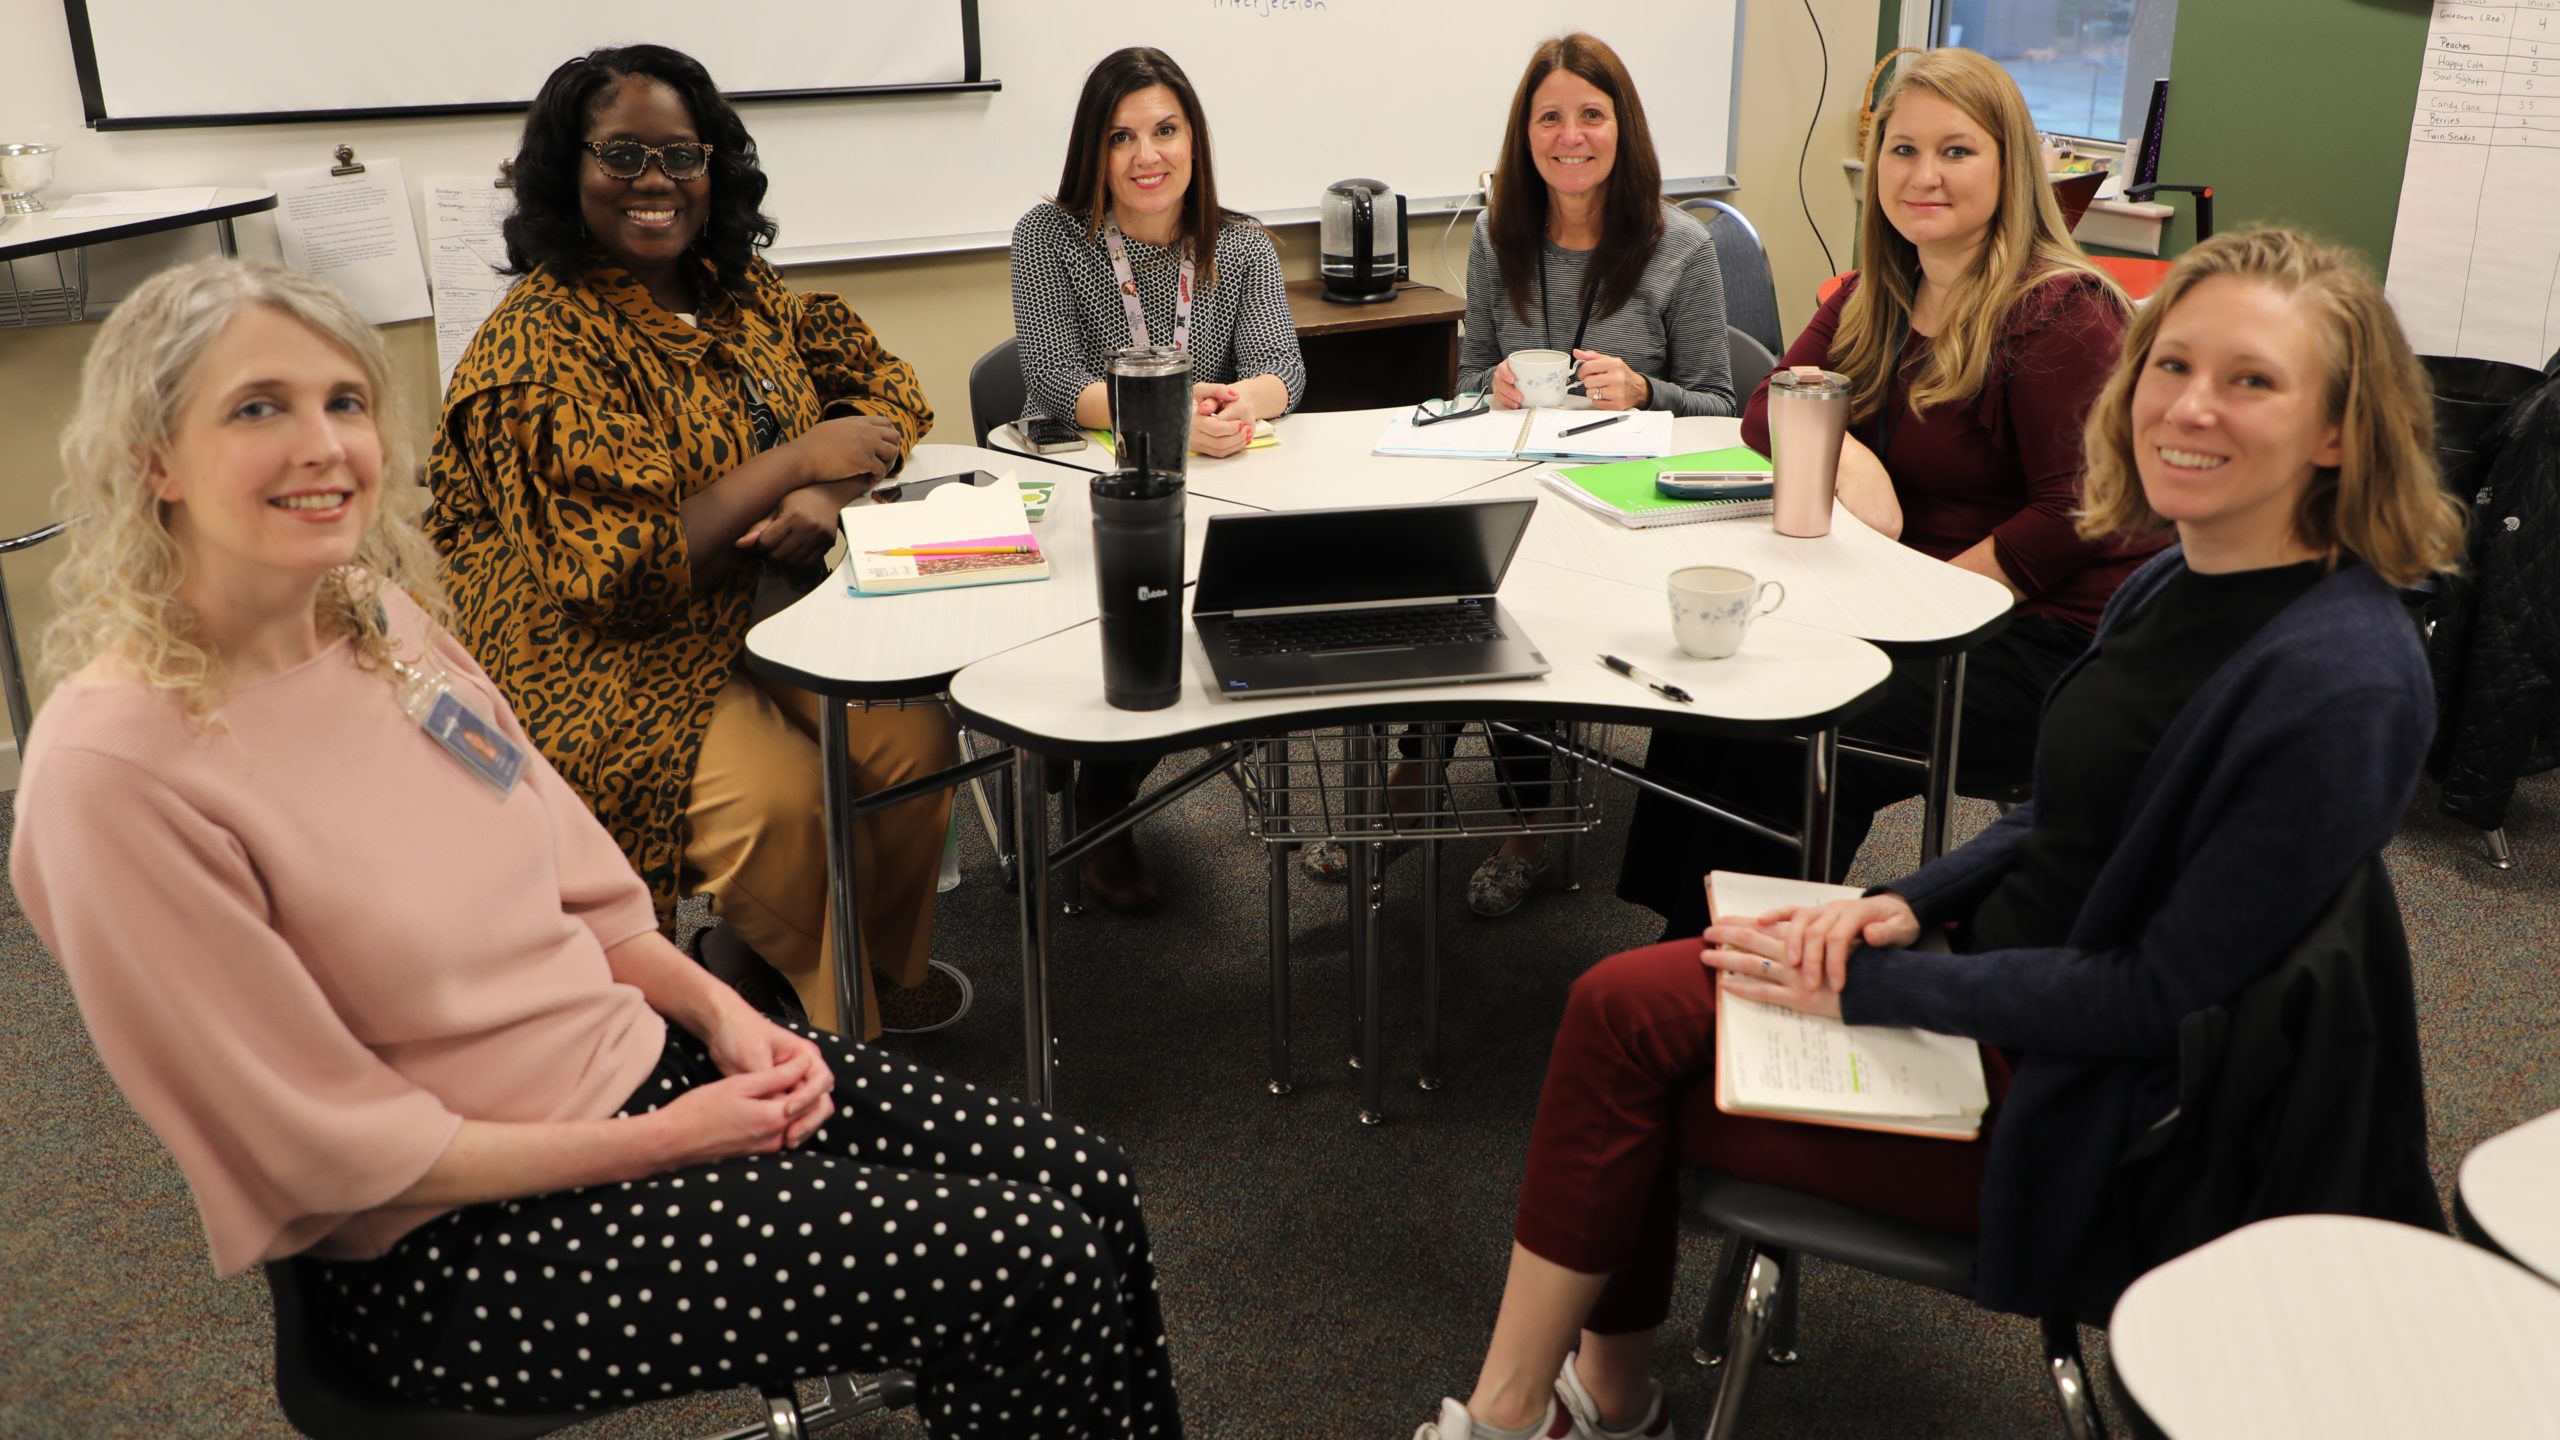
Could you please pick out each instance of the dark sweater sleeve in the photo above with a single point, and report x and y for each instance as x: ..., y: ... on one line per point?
x: 1811, y: 347
x: 2296, y: 802
x: 2056, y: 357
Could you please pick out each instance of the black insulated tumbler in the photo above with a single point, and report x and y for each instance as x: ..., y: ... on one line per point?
x: 1137, y: 555
x: 1137, y: 528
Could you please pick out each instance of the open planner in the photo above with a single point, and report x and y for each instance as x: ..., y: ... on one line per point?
x: 1782, y: 1065
x: 1537, y: 434
x: 954, y: 535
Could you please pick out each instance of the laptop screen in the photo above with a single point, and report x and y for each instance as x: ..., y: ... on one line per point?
x: 1339, y: 557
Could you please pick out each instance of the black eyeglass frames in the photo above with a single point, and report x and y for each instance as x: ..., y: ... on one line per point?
x: 629, y: 159
x: 1432, y: 412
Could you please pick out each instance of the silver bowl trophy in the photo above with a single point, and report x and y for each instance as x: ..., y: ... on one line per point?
x: 24, y: 171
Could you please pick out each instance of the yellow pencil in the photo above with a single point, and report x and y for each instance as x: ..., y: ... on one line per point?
x: 961, y: 550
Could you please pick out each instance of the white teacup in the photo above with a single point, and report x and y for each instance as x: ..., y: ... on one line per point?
x: 1712, y: 606
x: 1541, y: 375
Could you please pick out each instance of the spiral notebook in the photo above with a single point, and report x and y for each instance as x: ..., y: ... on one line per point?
x: 1623, y: 491
x: 1782, y: 1064
x: 1545, y: 433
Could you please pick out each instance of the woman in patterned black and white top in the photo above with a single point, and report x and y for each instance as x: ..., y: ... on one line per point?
x: 1134, y: 200
x: 1117, y: 259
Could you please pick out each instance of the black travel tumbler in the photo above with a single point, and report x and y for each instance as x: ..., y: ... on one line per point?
x: 1137, y: 567
x: 1151, y: 408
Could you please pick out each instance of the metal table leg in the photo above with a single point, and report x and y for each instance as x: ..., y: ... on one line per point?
x: 1938, y: 788
x: 1821, y: 767
x: 1430, y: 1079
x: 836, y: 774
x: 1278, y: 859
x: 1368, y: 901
x: 1031, y: 838
x: 226, y: 242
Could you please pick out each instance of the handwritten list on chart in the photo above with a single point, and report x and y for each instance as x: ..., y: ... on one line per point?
x: 465, y: 251
x: 2475, y: 255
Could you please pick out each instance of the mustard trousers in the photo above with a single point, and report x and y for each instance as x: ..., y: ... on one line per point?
x: 758, y: 842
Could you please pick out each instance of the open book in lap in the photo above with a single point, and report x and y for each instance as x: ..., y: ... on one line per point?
x: 1781, y: 1065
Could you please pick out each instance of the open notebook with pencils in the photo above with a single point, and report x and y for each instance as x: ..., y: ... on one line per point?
x: 956, y: 535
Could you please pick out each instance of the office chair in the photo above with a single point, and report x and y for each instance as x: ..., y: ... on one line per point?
x: 13, y: 672
x: 1768, y: 1227
x: 1749, y: 360
x: 1750, y: 292
x: 324, y: 1401
x: 995, y: 389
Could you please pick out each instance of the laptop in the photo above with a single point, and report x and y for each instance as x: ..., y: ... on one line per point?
x: 1300, y: 602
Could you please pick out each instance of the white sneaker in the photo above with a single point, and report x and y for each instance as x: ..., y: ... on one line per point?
x: 1454, y: 1424
x: 1577, y: 1402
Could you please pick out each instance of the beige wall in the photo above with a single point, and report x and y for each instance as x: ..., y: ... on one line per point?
x: 941, y: 312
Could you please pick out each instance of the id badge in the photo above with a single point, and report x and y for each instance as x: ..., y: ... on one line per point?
x: 480, y: 747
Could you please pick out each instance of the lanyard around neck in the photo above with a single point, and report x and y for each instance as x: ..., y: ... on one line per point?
x: 1546, y: 305
x: 1139, y: 334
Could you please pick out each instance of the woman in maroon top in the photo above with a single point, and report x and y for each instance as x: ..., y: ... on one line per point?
x: 1964, y: 445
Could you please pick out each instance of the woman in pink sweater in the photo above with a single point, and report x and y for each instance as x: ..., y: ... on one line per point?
x: 398, y: 1005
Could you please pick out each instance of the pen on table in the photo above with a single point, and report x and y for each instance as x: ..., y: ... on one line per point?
x: 1594, y: 425
x: 957, y: 550
x: 1648, y: 680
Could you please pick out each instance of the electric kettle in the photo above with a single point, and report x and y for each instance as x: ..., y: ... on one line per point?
x: 1361, y: 232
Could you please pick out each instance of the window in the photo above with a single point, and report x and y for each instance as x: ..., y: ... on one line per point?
x: 2086, y: 66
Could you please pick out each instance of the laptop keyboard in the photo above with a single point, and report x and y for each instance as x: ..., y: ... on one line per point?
x: 1464, y: 623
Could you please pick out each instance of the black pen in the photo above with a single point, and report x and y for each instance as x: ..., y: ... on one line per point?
x: 1648, y: 680
x: 1594, y: 425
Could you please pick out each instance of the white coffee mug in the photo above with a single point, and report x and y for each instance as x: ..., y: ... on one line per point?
x: 1541, y: 375
x: 1713, y: 605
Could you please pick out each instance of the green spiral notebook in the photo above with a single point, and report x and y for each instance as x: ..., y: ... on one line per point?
x: 1623, y: 490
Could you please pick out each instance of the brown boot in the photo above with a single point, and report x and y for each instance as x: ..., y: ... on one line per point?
x: 1115, y: 875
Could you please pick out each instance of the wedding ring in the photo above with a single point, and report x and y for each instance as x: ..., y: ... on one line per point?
x: 1764, y: 964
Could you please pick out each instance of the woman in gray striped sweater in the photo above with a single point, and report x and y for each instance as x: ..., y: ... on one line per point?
x: 1578, y: 252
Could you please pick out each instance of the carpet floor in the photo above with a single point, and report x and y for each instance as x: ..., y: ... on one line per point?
x: 1321, y: 1278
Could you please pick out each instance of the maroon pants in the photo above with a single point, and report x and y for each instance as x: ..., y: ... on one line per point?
x: 1630, y: 1099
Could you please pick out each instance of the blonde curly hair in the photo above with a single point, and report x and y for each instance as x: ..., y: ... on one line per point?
x: 116, y: 589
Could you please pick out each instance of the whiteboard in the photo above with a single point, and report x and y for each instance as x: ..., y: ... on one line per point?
x: 1298, y: 93
x: 143, y: 61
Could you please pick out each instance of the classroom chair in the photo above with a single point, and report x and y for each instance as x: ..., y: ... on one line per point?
x: 324, y: 1401
x: 1767, y: 1228
x: 1749, y: 360
x: 2337, y: 1014
x: 995, y: 389
x: 13, y: 672
x: 1750, y: 292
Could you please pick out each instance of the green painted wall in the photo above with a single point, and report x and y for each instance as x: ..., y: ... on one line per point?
x: 2296, y: 112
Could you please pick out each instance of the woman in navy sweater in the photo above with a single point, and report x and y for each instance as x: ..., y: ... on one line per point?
x: 2244, y: 733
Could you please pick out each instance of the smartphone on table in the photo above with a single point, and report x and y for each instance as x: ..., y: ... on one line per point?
x: 1712, y: 485
x: 1052, y: 437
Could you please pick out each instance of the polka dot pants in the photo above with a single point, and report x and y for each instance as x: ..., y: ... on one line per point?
x: 996, y: 1253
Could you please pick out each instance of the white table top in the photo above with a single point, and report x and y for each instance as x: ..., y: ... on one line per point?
x: 1323, y: 461
x: 2333, y: 1326
x: 1785, y: 679
x: 1852, y: 580
x: 888, y: 646
x: 48, y: 230
x: 2510, y: 1184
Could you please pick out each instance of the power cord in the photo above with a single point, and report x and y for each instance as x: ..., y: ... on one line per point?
x: 1043, y: 459
x: 1829, y: 265
x: 1448, y: 232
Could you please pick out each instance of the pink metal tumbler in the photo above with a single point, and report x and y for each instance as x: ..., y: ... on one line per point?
x: 1808, y: 413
